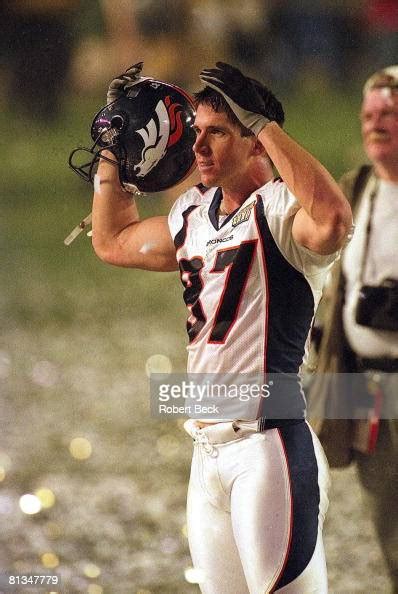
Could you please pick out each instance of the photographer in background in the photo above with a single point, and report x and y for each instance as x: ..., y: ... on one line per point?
x: 361, y: 325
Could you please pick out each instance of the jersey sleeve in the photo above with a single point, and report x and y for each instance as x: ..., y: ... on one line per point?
x: 280, y: 207
x: 175, y: 219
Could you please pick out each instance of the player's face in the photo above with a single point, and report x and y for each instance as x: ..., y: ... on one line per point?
x: 379, y: 119
x: 222, y: 154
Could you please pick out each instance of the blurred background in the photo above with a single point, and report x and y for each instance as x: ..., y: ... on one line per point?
x: 91, y: 487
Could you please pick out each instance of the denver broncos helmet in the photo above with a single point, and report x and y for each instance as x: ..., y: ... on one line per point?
x: 149, y: 130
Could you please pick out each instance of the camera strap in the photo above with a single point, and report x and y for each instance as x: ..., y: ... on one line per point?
x: 372, y: 199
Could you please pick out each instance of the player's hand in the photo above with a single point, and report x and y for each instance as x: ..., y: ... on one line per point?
x: 123, y: 82
x: 240, y: 94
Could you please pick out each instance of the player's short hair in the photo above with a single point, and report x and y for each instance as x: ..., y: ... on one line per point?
x: 387, y: 78
x: 273, y: 108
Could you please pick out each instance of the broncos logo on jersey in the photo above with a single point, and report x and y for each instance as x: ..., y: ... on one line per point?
x: 159, y: 134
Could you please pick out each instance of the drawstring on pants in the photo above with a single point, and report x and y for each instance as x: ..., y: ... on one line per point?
x: 200, y: 438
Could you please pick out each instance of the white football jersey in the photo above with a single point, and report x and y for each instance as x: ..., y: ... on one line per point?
x: 251, y: 291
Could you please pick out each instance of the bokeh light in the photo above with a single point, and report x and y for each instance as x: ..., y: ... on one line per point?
x: 91, y: 570
x: 50, y: 560
x: 29, y: 504
x: 158, y: 364
x: 46, y: 497
x: 80, y: 448
x: 5, y: 461
x: 194, y: 576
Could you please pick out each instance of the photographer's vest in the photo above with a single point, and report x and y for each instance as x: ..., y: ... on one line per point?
x: 370, y: 267
x: 335, y: 354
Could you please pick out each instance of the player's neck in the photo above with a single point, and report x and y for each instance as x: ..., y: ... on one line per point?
x: 229, y: 203
x: 233, y: 198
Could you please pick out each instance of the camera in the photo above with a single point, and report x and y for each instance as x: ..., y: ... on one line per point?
x: 377, y: 306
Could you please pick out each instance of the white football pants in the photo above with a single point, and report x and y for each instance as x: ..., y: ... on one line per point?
x: 256, y: 505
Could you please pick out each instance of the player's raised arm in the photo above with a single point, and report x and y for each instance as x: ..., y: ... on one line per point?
x: 325, y: 219
x: 119, y: 237
x: 143, y: 141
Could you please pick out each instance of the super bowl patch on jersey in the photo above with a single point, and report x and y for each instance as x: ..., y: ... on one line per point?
x: 243, y: 215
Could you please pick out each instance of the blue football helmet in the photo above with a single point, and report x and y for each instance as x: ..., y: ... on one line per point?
x: 149, y: 130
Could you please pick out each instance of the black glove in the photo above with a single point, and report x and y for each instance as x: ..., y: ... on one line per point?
x: 125, y: 81
x: 241, y: 95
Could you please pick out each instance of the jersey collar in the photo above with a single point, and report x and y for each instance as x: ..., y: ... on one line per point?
x: 213, y: 208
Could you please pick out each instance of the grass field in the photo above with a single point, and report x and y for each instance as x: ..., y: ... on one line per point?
x: 74, y: 348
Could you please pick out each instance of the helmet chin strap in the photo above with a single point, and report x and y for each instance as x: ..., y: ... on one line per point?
x: 86, y: 222
x: 78, y: 229
x: 132, y: 189
x: 86, y: 171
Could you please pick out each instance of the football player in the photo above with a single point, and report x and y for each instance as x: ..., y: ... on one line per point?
x: 253, y: 253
